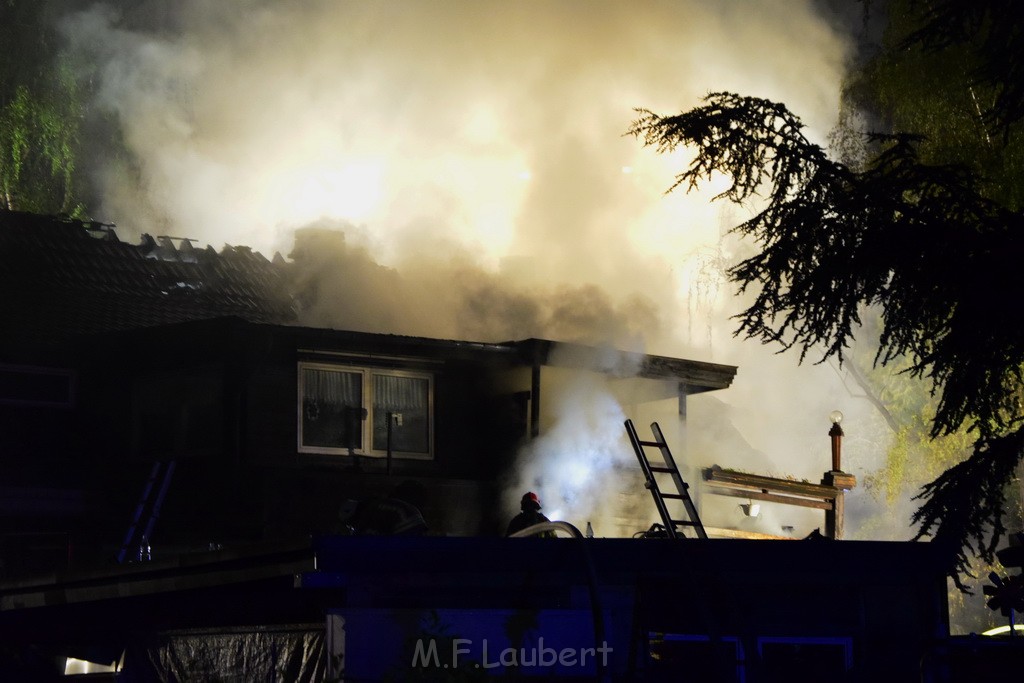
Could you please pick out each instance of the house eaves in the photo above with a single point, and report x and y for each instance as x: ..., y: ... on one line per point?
x: 693, y: 376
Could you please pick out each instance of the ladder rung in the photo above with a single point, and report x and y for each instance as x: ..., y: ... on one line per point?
x: 665, y: 466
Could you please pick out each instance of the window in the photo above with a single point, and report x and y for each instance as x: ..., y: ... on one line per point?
x: 366, y: 411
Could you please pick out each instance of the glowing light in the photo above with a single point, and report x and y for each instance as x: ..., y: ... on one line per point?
x: 351, y: 191
x: 627, y: 170
x: 493, y: 226
x: 480, y: 198
x: 525, y: 175
x: 482, y: 124
x: 1002, y: 630
x: 577, y: 473
x: 73, y: 667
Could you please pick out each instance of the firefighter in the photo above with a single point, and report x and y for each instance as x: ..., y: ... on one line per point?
x: 530, y: 514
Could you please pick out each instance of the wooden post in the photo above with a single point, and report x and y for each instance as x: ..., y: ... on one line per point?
x: 835, y: 515
x: 837, y: 446
x: 535, y: 400
x: 834, y: 518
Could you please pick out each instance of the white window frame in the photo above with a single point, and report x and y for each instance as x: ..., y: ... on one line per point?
x: 366, y: 439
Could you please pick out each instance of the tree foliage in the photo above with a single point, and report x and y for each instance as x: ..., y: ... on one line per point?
x: 935, y: 73
x: 986, y: 36
x: 40, y: 113
x: 920, y: 241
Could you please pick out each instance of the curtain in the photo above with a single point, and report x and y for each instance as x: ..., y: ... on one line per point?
x: 333, y: 387
x: 394, y: 394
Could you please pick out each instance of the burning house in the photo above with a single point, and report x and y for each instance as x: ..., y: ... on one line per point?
x: 162, y: 353
x: 177, y: 453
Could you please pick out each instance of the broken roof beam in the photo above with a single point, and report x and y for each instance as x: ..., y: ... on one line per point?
x: 817, y: 503
x: 741, y: 481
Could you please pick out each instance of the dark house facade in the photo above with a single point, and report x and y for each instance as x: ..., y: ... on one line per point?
x: 162, y: 390
x: 175, y: 452
x: 272, y: 427
x: 66, y: 284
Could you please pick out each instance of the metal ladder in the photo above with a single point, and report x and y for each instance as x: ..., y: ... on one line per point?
x: 668, y: 466
x: 152, y: 499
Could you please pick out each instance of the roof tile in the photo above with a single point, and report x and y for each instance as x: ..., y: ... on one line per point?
x: 61, y: 280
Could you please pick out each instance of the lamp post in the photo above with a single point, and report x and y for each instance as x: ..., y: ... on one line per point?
x: 837, y: 440
x: 837, y: 479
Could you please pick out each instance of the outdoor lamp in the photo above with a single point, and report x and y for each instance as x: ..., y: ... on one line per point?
x: 837, y: 439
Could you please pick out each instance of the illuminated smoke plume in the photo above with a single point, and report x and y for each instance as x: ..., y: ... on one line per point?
x: 581, y: 462
x: 470, y: 157
x: 493, y: 127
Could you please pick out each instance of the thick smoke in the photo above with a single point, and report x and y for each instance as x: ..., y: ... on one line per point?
x: 494, y: 127
x: 580, y: 465
x: 458, y: 169
x: 341, y: 285
x: 579, y: 459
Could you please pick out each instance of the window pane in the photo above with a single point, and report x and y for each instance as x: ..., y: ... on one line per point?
x: 332, y: 408
x: 407, y: 399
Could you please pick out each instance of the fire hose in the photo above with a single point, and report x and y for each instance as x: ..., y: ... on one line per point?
x: 595, y: 600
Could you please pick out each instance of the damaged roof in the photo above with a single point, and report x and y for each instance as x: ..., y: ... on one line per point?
x: 64, y: 278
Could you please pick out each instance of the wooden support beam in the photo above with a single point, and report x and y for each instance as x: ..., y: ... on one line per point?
x: 818, y: 504
x: 756, y: 482
x: 840, y: 480
x: 717, y: 532
x: 827, y: 496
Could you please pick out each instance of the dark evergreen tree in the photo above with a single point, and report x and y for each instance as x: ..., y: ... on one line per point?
x: 929, y: 244
x: 923, y: 226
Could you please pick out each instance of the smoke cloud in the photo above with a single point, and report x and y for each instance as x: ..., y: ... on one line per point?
x: 491, y: 126
x: 458, y: 169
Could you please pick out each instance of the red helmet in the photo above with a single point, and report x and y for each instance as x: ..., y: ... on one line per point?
x: 530, y: 499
